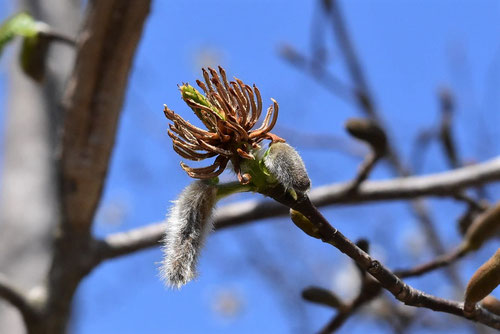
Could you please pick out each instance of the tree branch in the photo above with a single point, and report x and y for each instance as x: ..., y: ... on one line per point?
x: 388, y: 280
x: 16, y: 298
x: 440, y: 184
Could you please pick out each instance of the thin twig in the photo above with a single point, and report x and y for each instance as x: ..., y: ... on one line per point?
x: 318, y: 72
x: 388, y: 280
x: 370, y: 289
x: 363, y: 171
x: 438, y: 262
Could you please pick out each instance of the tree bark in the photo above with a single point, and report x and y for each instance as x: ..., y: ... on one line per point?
x: 29, y: 195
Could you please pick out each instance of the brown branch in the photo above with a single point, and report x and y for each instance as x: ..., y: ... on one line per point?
x: 93, y: 101
x: 440, y: 184
x: 16, y: 298
x: 363, y: 172
x: 388, y: 280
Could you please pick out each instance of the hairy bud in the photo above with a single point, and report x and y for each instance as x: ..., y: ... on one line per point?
x: 367, y: 131
x: 484, y: 227
x: 286, y: 165
x: 189, y: 222
x: 484, y: 280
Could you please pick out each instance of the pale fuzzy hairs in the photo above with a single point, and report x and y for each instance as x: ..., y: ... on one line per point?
x: 189, y: 222
x: 287, y: 166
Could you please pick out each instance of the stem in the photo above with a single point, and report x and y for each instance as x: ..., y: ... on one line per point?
x: 388, y: 280
x: 226, y: 189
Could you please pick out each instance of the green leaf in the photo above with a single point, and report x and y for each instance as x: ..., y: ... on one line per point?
x: 189, y: 93
x: 21, y: 24
x: 33, y: 56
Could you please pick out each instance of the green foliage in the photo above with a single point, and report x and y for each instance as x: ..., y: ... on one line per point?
x: 21, y: 24
x: 35, y: 43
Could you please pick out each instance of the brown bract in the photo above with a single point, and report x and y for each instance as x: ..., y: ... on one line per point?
x: 233, y: 110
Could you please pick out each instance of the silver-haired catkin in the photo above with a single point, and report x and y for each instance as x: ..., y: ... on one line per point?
x: 287, y: 166
x: 189, y: 222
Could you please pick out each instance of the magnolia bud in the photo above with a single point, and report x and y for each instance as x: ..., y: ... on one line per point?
x: 189, y: 222
x: 491, y: 304
x: 322, y: 296
x: 286, y: 165
x: 368, y: 131
x: 484, y: 280
x: 484, y: 227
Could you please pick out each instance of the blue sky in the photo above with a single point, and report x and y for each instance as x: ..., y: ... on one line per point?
x: 408, y: 49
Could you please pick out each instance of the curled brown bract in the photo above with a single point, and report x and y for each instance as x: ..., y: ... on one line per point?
x: 235, y: 109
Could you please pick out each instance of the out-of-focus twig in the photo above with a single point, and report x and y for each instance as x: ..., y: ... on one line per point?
x: 366, y: 102
x: 370, y: 289
x: 318, y: 72
x: 17, y: 299
x: 438, y: 262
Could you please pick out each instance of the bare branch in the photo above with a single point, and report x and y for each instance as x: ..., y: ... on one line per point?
x: 388, y: 280
x: 16, y: 298
x: 441, y: 184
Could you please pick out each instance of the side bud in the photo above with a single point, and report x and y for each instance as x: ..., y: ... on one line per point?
x: 369, y: 132
x: 483, y: 282
x: 189, y: 222
x: 286, y: 165
x: 485, y: 227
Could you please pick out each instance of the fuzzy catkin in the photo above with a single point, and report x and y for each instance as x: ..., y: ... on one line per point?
x: 287, y: 166
x: 189, y: 222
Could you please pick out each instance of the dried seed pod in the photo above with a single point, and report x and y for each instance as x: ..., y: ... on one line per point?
x: 484, y: 281
x: 368, y: 131
x: 304, y: 224
x: 484, y: 227
x: 286, y: 165
x: 188, y: 224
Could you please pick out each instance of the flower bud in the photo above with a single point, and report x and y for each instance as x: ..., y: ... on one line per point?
x: 189, y: 222
x: 484, y: 280
x: 304, y: 224
x: 369, y: 132
x: 491, y: 304
x: 286, y: 165
x: 484, y: 227
x: 322, y: 296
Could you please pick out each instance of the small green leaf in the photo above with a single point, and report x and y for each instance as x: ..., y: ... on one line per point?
x: 21, y: 24
x: 189, y: 93
x: 304, y: 224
